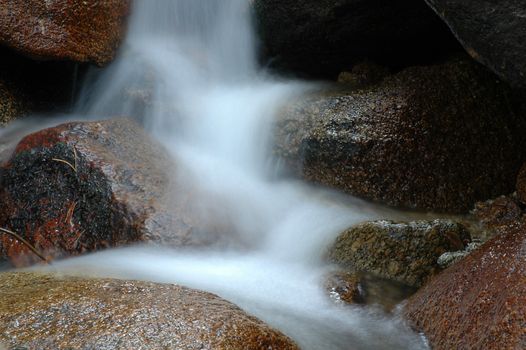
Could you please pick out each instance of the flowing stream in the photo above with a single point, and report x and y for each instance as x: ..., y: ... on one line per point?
x: 188, y: 70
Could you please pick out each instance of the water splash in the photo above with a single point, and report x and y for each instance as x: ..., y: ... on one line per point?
x: 188, y: 71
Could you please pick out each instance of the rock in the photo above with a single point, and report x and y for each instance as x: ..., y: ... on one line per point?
x: 449, y: 258
x: 436, y: 138
x: 11, y: 105
x: 499, y: 212
x: 404, y: 252
x: 325, y: 37
x: 363, y: 74
x: 84, y: 186
x: 480, y: 302
x: 81, y: 31
x: 39, y: 311
x: 364, y: 288
x: 492, y: 32
x: 345, y: 287
x: 521, y: 185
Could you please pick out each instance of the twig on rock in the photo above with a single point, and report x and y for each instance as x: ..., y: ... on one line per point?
x: 74, y: 167
x: 26, y: 243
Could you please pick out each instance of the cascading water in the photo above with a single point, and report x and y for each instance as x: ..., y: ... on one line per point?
x: 212, y: 108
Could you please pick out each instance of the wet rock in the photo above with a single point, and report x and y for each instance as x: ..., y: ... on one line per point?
x: 492, y: 32
x: 480, y: 302
x: 499, y: 212
x: 11, y: 105
x: 345, y: 287
x: 437, y: 138
x: 364, y: 288
x: 40, y: 311
x: 449, y: 258
x: 84, y: 186
x: 404, y: 252
x: 363, y: 74
x: 325, y: 37
x: 81, y: 31
x: 521, y: 185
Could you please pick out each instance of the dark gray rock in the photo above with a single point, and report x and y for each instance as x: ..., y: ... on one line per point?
x: 438, y: 137
x: 324, y: 37
x: 492, y: 31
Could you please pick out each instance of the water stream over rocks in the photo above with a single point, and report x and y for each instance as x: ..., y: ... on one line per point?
x: 188, y: 71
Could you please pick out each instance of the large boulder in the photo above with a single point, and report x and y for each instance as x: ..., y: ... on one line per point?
x: 323, y: 37
x: 492, y: 31
x: 480, y: 302
x: 83, y: 186
x: 435, y: 137
x: 404, y: 252
x: 40, y: 311
x: 82, y: 31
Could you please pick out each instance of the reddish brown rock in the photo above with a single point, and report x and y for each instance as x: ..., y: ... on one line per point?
x: 82, y: 31
x: 498, y: 212
x: 52, y: 312
x: 84, y: 186
x: 480, y: 302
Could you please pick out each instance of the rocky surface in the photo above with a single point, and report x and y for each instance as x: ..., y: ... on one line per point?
x: 478, y: 303
x: 404, y: 252
x: 324, y: 37
x: 39, y: 311
x: 11, y: 105
x: 84, y: 186
x: 420, y: 138
x: 497, y: 213
x: 492, y: 32
x: 363, y: 288
x: 81, y: 31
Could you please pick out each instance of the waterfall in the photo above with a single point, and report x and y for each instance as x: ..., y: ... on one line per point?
x: 193, y: 65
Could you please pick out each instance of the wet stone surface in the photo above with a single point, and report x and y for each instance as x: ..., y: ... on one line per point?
x: 40, y: 311
x: 85, y: 186
x: 479, y: 302
x: 404, y: 252
x: 419, y: 139
x: 81, y: 31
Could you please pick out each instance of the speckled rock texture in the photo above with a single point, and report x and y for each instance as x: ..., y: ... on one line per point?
x: 492, y: 31
x: 40, y: 311
x: 11, y: 105
x: 433, y: 137
x: 77, y: 30
x: 404, y: 252
x: 480, y: 302
x: 325, y: 37
x: 84, y: 186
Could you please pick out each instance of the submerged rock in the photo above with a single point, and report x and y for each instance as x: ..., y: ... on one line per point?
x: 492, y: 32
x: 84, y: 186
x: 324, y: 37
x: 81, y: 31
x: 404, y: 252
x: 39, y: 311
x: 364, y: 288
x: 438, y: 137
x: 480, y: 302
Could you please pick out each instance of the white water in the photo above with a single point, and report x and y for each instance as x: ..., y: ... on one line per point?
x: 212, y: 108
